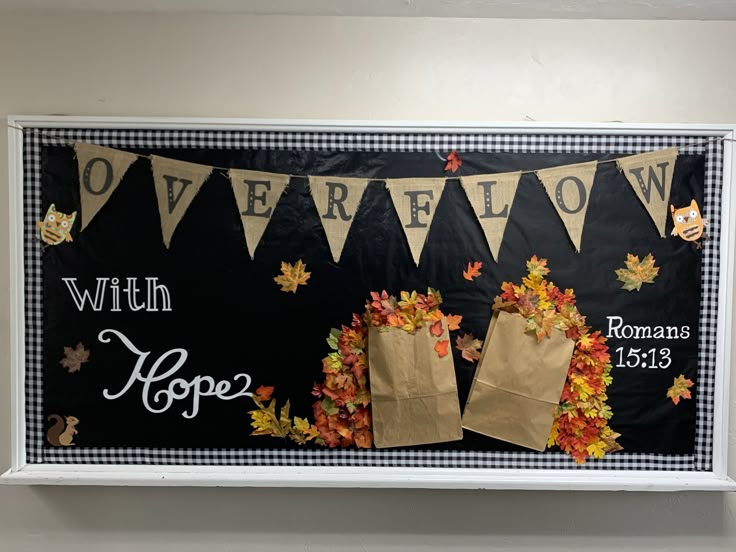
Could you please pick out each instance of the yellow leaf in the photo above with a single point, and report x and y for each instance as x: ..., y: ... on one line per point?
x: 292, y: 276
x: 597, y: 449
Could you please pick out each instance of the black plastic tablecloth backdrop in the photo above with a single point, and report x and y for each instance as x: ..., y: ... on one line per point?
x: 230, y: 316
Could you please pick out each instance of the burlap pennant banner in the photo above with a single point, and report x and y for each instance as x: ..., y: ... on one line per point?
x: 492, y: 196
x: 256, y: 194
x: 100, y: 171
x: 337, y: 201
x: 176, y: 183
x: 568, y: 187
x: 415, y: 200
x: 650, y: 175
x: 337, y: 198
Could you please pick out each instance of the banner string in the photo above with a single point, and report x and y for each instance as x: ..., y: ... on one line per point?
x: 225, y: 170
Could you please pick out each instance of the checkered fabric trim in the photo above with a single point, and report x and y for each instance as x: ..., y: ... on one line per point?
x: 701, y: 460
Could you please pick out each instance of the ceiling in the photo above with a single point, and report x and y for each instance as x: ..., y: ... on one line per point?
x: 527, y: 9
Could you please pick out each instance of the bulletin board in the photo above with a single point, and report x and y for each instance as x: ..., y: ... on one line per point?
x: 200, y: 302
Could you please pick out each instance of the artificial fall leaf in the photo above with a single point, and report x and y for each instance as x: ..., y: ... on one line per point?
x: 470, y: 346
x: 537, y: 267
x: 453, y: 321
x: 74, y: 358
x: 528, y: 303
x: 542, y: 324
x: 453, y: 162
x: 637, y: 272
x: 441, y: 347
x: 303, y: 431
x: 436, y: 329
x: 292, y: 276
x: 680, y: 389
x: 473, y: 270
x: 264, y: 393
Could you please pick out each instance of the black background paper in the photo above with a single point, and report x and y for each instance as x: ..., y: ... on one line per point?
x: 231, y: 317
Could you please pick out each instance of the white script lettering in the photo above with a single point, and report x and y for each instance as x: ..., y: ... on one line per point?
x: 158, y: 401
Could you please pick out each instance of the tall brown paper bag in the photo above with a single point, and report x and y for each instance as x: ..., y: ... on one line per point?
x: 413, y: 391
x: 518, y: 383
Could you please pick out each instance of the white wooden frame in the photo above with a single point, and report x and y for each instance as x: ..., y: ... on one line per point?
x: 21, y: 472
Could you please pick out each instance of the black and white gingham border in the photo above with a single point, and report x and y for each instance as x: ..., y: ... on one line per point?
x: 36, y: 452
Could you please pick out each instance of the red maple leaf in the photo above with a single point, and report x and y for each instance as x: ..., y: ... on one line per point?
x: 442, y: 347
x: 264, y: 393
x: 436, y: 329
x: 453, y: 162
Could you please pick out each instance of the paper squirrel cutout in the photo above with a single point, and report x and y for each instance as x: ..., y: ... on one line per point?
x: 62, y: 433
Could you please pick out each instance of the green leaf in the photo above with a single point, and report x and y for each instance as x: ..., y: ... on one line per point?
x: 637, y: 272
x: 332, y: 339
x: 329, y: 406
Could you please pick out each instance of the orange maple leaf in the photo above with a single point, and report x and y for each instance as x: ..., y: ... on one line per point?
x: 473, y: 270
x: 680, y: 389
x: 436, y: 329
x: 453, y: 161
x: 442, y: 347
x: 453, y: 321
x: 292, y: 276
x: 264, y: 392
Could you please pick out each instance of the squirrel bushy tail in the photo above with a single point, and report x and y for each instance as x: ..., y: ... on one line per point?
x: 52, y: 435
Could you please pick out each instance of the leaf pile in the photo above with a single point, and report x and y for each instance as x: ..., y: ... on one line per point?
x: 292, y: 276
x: 343, y: 414
x: 266, y: 421
x: 637, y: 272
x: 581, y: 425
x: 410, y: 313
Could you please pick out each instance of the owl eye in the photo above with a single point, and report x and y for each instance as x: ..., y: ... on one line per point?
x: 693, y: 214
x: 52, y: 218
x: 680, y: 219
x: 64, y: 224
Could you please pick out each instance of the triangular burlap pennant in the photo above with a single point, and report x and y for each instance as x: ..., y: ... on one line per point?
x: 176, y: 183
x: 650, y: 174
x: 257, y: 194
x: 100, y: 171
x: 569, y: 189
x: 492, y: 196
x: 415, y: 200
x: 337, y: 201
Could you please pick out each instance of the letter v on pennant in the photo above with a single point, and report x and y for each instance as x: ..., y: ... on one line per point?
x: 176, y: 183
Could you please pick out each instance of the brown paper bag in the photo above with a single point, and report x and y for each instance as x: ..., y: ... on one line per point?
x: 413, y: 391
x: 518, y: 383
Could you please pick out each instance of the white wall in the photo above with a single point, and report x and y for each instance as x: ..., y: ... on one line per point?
x: 431, y: 69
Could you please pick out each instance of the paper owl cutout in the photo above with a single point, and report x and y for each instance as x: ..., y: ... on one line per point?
x: 56, y: 226
x: 689, y: 224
